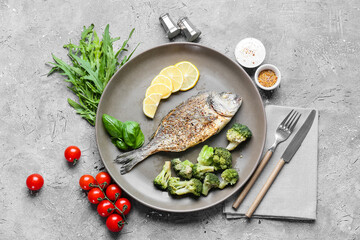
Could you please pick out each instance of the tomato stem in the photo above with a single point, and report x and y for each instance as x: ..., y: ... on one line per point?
x: 121, y: 223
x: 93, y: 185
x: 117, y: 195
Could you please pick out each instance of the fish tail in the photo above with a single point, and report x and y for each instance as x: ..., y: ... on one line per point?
x: 128, y: 160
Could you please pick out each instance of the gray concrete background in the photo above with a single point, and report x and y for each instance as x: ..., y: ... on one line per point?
x: 314, y: 43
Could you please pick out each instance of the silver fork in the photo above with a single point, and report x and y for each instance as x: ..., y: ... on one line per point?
x: 282, y: 133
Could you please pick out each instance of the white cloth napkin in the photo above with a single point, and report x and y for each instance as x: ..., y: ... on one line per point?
x: 293, y: 195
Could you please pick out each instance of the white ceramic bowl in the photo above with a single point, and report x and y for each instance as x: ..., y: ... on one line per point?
x: 267, y: 67
x: 250, y: 52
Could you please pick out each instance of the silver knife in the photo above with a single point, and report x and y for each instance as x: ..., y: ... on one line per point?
x: 285, y: 158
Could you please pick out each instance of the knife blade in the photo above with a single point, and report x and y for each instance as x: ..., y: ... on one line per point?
x: 299, y: 137
x: 289, y: 152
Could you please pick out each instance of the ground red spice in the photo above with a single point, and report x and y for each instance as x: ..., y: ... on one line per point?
x: 267, y: 78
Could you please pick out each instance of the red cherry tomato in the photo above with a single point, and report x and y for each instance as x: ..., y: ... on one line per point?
x: 72, y: 154
x: 85, y: 182
x: 95, y: 195
x: 105, y: 208
x: 113, y: 192
x: 124, y: 205
x: 34, y: 182
x: 115, y: 223
x: 103, y: 179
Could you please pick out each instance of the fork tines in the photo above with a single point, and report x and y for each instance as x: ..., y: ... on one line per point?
x: 290, y: 120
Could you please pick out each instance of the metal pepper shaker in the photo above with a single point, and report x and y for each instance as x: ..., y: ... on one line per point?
x: 188, y: 29
x: 169, y: 25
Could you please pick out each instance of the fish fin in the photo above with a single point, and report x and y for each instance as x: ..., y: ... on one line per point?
x: 126, y: 157
x: 128, y: 160
x: 154, y: 134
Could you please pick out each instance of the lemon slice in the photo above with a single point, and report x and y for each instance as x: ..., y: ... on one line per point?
x: 160, y: 88
x: 191, y: 74
x: 162, y: 79
x: 150, y: 104
x: 175, y: 75
x: 154, y: 98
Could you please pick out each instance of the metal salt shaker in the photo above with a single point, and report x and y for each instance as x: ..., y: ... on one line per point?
x: 189, y: 30
x: 169, y: 25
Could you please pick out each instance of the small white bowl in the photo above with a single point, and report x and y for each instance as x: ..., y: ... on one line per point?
x: 250, y: 52
x: 267, y: 67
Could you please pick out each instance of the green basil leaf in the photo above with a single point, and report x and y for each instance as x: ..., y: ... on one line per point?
x: 119, y: 143
x: 113, y: 126
x: 139, y: 140
x: 130, y: 132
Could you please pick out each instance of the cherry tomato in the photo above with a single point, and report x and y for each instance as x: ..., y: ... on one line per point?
x: 113, y: 192
x: 94, y: 195
x: 103, y: 179
x: 72, y: 154
x: 124, y: 205
x: 34, y: 182
x: 115, y: 223
x: 85, y: 182
x: 105, y: 208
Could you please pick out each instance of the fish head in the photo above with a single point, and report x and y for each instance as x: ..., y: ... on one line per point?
x: 225, y: 104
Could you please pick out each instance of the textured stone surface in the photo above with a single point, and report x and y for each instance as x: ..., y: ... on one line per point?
x: 314, y: 43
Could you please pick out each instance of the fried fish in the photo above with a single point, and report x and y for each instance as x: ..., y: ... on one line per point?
x: 187, y: 125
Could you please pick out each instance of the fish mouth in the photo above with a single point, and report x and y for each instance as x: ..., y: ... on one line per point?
x: 226, y: 104
x: 238, y: 99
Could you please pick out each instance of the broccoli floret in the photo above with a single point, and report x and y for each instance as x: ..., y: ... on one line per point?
x: 199, y: 171
x: 229, y: 176
x: 178, y: 187
x: 237, y: 134
x: 205, y: 157
x: 222, y: 159
x: 210, y: 181
x: 161, y: 180
x: 182, y: 169
x: 173, y: 180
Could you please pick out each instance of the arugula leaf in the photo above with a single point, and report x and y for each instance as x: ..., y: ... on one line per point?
x: 92, y: 64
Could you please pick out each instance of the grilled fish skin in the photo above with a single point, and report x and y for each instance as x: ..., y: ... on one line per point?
x: 187, y: 125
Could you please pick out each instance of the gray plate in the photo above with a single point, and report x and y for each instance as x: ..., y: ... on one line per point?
x: 123, y: 98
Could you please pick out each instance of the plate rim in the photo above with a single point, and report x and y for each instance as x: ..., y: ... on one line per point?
x: 235, y: 64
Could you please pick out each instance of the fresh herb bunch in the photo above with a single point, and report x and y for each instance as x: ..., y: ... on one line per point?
x: 93, y: 63
x: 124, y: 135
